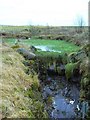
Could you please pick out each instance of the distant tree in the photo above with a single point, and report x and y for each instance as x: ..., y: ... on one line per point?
x: 31, y: 30
x: 80, y: 24
x: 47, y: 29
x: 34, y: 30
x: 81, y: 21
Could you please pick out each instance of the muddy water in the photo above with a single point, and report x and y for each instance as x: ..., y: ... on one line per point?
x: 62, y: 98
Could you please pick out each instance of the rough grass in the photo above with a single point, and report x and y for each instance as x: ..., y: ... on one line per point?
x: 71, y: 34
x: 63, y: 46
x: 14, y: 86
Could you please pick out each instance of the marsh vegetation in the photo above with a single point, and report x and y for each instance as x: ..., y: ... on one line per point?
x: 46, y: 75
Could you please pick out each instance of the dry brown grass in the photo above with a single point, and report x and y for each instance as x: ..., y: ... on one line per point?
x: 13, y: 84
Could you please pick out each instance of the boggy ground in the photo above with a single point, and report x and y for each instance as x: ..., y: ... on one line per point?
x: 43, y: 67
x: 60, y: 85
x: 20, y: 96
x: 61, y: 97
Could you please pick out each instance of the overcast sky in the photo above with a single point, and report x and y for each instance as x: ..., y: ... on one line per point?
x: 43, y: 12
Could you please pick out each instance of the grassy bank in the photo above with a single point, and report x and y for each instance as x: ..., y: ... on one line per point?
x: 18, y: 97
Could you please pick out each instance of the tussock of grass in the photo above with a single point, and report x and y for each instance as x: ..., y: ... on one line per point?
x: 14, y: 83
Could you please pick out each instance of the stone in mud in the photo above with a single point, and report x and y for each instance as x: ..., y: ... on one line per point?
x: 33, y: 49
x: 25, y: 53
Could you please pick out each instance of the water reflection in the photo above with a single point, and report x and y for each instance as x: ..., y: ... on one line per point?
x: 65, y: 99
x: 45, y: 48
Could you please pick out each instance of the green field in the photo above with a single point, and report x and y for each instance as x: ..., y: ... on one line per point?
x: 54, y: 45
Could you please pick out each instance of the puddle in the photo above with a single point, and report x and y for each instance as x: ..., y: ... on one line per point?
x: 61, y: 97
x: 62, y: 108
x: 64, y: 99
x: 45, y: 48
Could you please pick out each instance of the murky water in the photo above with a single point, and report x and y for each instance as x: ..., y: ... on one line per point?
x: 60, y: 96
x: 65, y: 98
